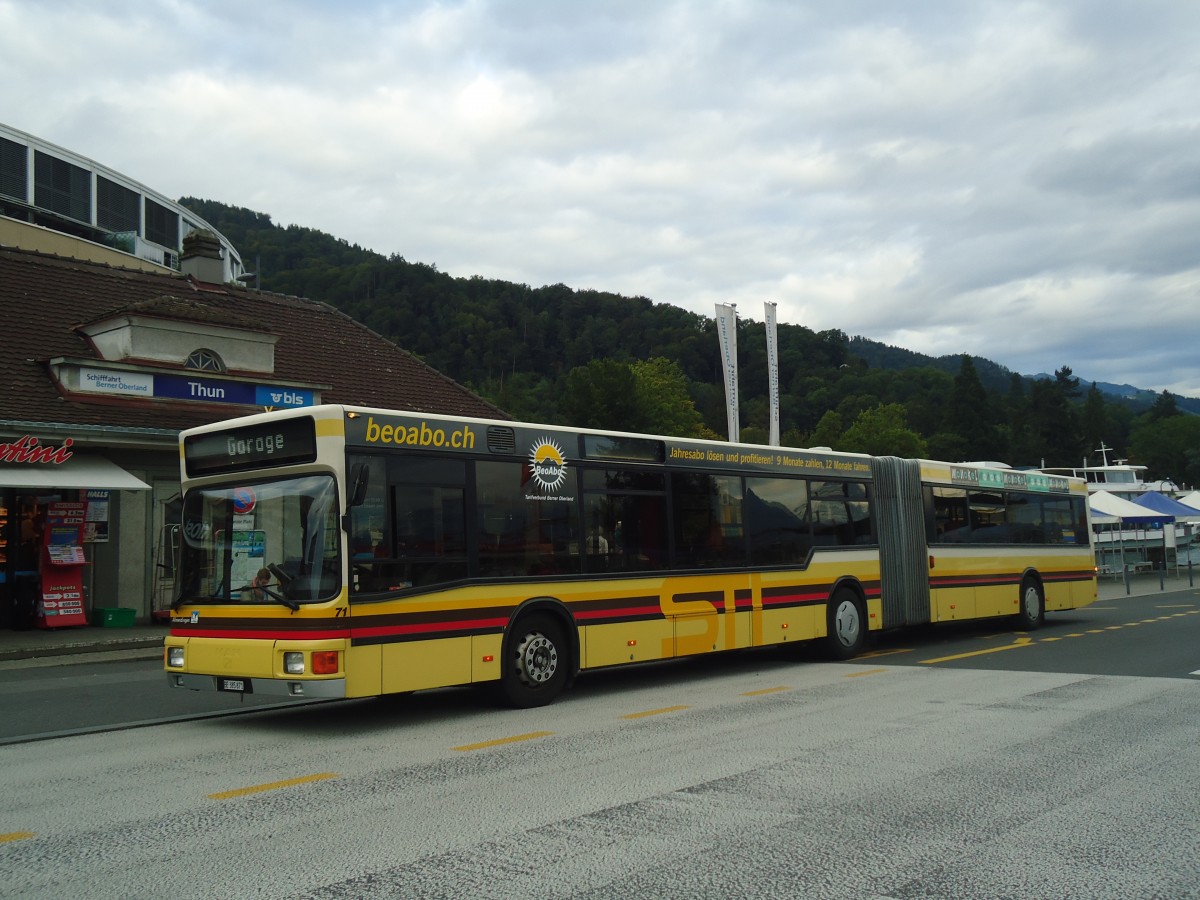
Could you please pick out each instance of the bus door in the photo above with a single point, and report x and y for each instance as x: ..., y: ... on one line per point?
x: 955, y: 564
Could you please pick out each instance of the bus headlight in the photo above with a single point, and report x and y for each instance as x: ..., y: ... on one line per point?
x: 175, y: 657
x: 293, y: 663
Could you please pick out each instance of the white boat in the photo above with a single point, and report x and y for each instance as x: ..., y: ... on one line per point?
x: 1120, y: 478
x: 1123, y: 543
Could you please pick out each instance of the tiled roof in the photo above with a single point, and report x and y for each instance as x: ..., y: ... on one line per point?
x: 187, y: 309
x: 43, y: 298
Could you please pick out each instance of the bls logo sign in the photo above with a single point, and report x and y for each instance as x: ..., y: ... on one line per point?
x: 277, y: 397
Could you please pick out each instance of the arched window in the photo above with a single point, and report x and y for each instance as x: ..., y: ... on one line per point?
x: 205, y: 361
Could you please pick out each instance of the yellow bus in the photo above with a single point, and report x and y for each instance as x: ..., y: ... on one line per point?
x: 337, y: 551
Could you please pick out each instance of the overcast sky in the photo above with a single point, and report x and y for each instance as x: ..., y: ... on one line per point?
x: 1015, y: 180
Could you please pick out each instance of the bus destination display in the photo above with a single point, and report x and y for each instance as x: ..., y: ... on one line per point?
x: 282, y: 443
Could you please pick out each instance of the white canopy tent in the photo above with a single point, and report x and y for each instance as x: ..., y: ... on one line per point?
x: 1112, y: 518
x: 1192, y: 499
x: 1109, y: 508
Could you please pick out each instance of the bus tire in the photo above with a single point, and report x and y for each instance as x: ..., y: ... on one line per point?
x: 847, y: 625
x: 536, y: 662
x: 1031, y: 611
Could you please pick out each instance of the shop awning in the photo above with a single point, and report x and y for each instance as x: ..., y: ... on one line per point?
x: 94, y: 472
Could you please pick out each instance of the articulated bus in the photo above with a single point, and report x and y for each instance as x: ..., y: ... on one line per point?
x: 336, y: 552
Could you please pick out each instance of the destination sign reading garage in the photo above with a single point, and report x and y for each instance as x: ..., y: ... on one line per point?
x: 282, y: 443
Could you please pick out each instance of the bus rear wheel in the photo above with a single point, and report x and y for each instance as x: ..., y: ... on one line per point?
x: 536, y: 663
x: 1032, y: 605
x: 847, y: 625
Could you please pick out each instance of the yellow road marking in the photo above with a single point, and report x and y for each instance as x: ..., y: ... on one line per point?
x: 1175, y: 606
x: 515, y: 739
x: 1025, y: 641
x: 1020, y: 642
x: 15, y: 836
x: 877, y: 653
x: 868, y: 672
x: 654, y: 712
x: 774, y: 690
x: 274, y: 785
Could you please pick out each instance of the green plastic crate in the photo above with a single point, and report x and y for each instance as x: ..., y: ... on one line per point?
x: 115, y: 617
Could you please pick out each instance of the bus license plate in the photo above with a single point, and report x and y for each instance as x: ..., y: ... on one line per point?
x: 239, y: 685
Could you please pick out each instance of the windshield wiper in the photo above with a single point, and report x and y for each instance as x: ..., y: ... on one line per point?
x: 251, y: 588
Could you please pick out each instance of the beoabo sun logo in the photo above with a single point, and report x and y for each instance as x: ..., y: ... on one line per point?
x: 548, y: 464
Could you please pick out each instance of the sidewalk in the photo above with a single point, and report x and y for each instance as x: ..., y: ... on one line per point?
x: 1112, y: 587
x: 63, y: 646
x: 85, y: 643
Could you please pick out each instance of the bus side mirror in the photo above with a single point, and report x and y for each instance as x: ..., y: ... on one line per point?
x: 360, y: 477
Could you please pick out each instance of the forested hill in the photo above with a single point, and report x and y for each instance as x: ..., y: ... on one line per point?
x: 585, y: 357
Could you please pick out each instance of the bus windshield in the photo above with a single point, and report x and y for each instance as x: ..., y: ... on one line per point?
x: 264, y: 542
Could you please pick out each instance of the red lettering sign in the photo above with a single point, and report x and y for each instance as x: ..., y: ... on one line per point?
x: 28, y: 450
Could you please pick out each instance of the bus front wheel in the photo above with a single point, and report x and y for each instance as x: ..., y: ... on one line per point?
x: 536, y: 662
x: 1032, y: 605
x: 847, y: 626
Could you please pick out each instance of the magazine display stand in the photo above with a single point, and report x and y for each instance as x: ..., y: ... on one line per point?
x: 62, y: 563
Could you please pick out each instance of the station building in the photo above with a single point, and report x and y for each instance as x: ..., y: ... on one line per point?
x: 105, y: 359
x: 111, y: 217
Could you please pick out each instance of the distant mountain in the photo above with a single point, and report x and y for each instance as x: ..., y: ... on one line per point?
x: 996, y: 377
x: 516, y: 344
x: 1135, y: 397
x: 993, y: 376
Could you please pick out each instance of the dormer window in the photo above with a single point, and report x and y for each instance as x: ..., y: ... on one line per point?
x: 205, y: 361
x: 196, y: 332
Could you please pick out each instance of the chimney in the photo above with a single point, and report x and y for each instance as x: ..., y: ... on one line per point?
x: 201, y: 257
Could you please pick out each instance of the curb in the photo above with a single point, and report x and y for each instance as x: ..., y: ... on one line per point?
x: 76, y: 649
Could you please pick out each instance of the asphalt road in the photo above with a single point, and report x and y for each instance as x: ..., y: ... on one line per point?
x: 954, y: 763
x: 1155, y: 635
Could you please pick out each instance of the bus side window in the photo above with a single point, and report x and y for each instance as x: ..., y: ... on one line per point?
x: 778, y: 521
x: 707, y: 513
x: 519, y: 534
x: 416, y: 518
x: 625, y: 520
x: 950, y: 522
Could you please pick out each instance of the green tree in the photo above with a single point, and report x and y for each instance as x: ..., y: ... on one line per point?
x: 882, y: 431
x: 1094, y: 420
x: 828, y: 432
x: 603, y: 394
x: 968, y: 417
x: 645, y: 395
x: 663, y: 401
x: 1054, y: 419
x: 1164, y: 407
x: 1022, y: 447
x: 1169, y: 447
